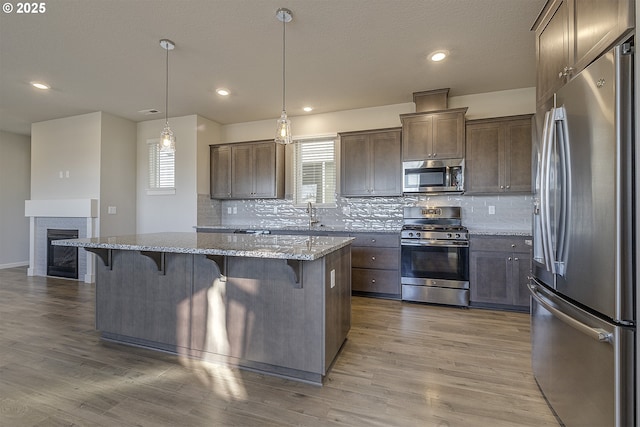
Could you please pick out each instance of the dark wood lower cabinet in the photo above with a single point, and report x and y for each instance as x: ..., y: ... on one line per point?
x: 375, y: 260
x: 499, y: 267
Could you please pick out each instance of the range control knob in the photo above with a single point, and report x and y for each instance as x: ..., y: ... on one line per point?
x: 410, y: 234
x: 457, y: 235
x: 449, y: 235
x: 418, y: 234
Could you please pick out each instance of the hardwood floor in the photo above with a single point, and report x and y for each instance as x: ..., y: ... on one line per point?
x: 402, y: 365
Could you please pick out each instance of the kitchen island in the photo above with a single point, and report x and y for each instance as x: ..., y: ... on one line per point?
x: 275, y: 304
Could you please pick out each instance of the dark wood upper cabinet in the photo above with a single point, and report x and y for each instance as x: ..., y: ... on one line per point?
x: 252, y: 170
x: 370, y: 163
x: 433, y: 135
x: 499, y: 155
x: 220, y: 177
x: 570, y: 34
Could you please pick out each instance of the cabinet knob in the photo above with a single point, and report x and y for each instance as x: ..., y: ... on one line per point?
x: 513, y: 245
x: 373, y: 240
x: 508, y: 186
x: 510, y: 259
x: 373, y: 258
x: 373, y: 280
x: 516, y: 259
x: 502, y: 187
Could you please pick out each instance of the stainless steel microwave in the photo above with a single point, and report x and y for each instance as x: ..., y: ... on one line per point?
x: 433, y: 176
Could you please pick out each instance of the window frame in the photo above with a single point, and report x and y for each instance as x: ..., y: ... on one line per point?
x: 297, y: 171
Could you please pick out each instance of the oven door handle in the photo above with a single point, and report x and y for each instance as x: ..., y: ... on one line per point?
x: 435, y: 243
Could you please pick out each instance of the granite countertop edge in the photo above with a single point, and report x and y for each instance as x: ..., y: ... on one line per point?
x: 524, y: 233
x: 302, y: 248
x: 322, y: 228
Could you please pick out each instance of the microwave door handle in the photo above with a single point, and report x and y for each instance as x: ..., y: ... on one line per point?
x: 545, y: 191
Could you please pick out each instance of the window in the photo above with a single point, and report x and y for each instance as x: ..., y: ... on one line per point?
x: 314, y: 177
x: 162, y: 168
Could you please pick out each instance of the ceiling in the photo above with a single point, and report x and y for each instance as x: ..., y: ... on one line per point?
x: 104, y: 55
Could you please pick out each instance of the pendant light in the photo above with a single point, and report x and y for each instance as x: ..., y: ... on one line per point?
x: 283, y: 129
x: 167, y: 140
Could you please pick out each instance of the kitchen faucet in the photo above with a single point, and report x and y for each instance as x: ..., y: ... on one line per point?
x: 311, y: 211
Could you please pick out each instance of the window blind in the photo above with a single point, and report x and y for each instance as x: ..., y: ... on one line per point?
x: 161, y: 166
x: 314, y: 171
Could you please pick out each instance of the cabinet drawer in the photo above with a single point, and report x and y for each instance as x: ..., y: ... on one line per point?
x: 500, y: 244
x: 379, y: 281
x: 382, y: 240
x: 376, y: 258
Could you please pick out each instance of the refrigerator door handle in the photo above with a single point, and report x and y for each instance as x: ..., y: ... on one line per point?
x: 595, y: 333
x: 560, y: 117
x: 545, y: 191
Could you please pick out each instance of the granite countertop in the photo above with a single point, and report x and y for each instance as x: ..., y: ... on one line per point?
x: 303, y: 248
x: 318, y: 228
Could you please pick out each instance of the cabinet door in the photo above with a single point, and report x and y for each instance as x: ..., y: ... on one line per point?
x: 552, y: 44
x: 354, y: 165
x: 490, y: 274
x: 386, y: 167
x: 518, y: 155
x: 241, y: 172
x: 448, y: 136
x: 220, y: 173
x: 264, y: 167
x: 485, y: 158
x: 598, y: 24
x: 521, y: 272
x: 417, y: 137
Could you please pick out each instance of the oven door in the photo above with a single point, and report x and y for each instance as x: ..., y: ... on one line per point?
x: 421, y: 263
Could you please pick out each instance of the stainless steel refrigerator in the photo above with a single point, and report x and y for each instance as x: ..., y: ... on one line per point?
x: 583, y: 324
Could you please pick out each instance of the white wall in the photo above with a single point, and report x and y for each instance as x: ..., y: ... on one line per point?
x: 15, y: 178
x: 208, y: 133
x: 70, y: 144
x: 117, y: 175
x: 492, y: 104
x: 175, y: 212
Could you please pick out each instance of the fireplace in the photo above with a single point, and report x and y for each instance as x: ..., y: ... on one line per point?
x: 62, y: 261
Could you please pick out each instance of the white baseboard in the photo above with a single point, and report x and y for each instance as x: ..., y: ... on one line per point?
x: 14, y: 264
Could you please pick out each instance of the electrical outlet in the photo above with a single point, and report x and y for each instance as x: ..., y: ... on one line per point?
x: 61, y: 175
x: 492, y: 210
x: 235, y: 210
x: 112, y: 210
x: 346, y: 210
x: 275, y: 210
x: 229, y: 210
x: 333, y: 278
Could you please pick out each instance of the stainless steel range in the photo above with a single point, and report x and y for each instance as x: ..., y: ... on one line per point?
x: 435, y: 256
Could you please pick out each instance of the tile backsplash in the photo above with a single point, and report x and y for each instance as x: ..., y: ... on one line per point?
x: 481, y: 213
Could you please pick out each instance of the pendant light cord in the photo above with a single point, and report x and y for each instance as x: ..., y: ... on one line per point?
x: 166, y: 90
x: 284, y: 89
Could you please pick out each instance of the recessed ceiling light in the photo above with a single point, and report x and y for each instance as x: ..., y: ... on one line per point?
x: 40, y: 85
x: 222, y: 92
x: 438, y: 56
x: 308, y: 109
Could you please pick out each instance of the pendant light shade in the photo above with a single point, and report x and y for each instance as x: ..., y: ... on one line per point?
x: 283, y: 128
x: 167, y: 140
